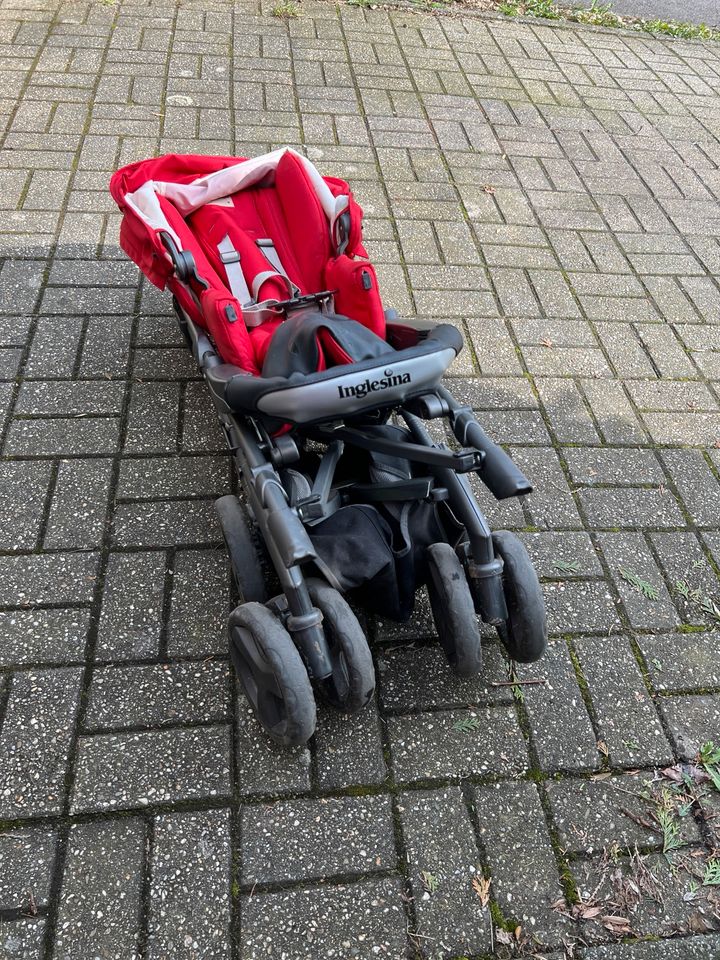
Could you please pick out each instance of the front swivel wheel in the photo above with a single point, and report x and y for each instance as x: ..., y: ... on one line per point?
x: 524, y: 633
x: 352, y: 681
x: 272, y: 674
x: 453, y: 610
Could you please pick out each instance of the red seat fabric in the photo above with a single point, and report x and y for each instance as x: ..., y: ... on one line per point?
x: 284, y: 207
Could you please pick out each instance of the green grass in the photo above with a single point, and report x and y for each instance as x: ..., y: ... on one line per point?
x: 602, y: 15
x: 286, y: 10
x: 597, y: 14
x: 680, y: 28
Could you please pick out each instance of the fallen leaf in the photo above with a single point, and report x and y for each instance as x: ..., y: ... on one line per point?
x: 481, y: 886
x: 547, y: 342
x: 488, y: 188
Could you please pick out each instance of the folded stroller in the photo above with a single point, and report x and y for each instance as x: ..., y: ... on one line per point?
x: 323, y: 398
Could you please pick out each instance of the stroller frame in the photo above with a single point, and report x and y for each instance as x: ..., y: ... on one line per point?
x: 257, y: 456
x: 287, y: 433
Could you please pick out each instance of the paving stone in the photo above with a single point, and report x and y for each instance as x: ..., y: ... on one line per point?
x: 659, y: 916
x: 158, y: 695
x: 152, y: 478
x: 262, y: 766
x: 696, y: 484
x: 684, y: 561
x: 580, y: 606
x: 120, y: 771
x: 686, y: 948
x: 78, y: 511
x: 166, y: 524
x: 23, y: 492
x: 22, y: 939
x: 317, y: 839
x: 189, y: 915
x: 681, y: 661
x: 693, y: 721
x: 613, y: 412
x: 593, y: 467
x: 565, y: 405
x: 431, y: 745
x: 551, y: 504
x: 153, y: 418
x: 60, y: 578
x: 440, y: 843
x: 349, y: 749
x: 519, y: 853
x: 62, y: 437
x: 42, y: 636
x: 549, y: 551
x: 413, y: 679
x: 99, y: 905
x: 131, y: 615
x: 562, y: 733
x: 35, y: 741
x: 26, y: 864
x: 200, y: 603
x: 627, y: 555
x: 72, y: 398
x: 590, y: 816
x: 637, y: 507
x: 366, y: 918
x: 627, y: 719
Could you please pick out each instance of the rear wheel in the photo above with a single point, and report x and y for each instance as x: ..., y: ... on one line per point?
x: 272, y: 674
x: 524, y: 633
x: 245, y: 559
x: 352, y: 682
x: 453, y: 610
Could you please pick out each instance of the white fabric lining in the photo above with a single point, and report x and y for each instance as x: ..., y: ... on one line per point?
x: 188, y: 197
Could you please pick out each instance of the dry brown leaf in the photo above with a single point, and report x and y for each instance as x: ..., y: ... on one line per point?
x: 601, y: 776
x: 488, y: 188
x: 481, y: 886
x: 547, y: 342
x: 603, y: 748
x: 502, y: 936
x: 586, y: 912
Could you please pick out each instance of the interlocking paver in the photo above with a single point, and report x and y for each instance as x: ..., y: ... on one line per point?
x: 189, y: 914
x: 368, y: 915
x: 99, y: 912
x: 552, y: 192
x: 117, y: 771
x: 441, y: 844
x: 316, y: 839
x: 35, y: 742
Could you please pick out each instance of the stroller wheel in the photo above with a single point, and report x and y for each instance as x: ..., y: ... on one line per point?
x: 245, y: 560
x: 352, y: 682
x: 272, y: 674
x: 524, y: 633
x: 453, y: 610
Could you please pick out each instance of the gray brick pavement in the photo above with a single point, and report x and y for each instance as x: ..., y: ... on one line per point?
x: 553, y: 191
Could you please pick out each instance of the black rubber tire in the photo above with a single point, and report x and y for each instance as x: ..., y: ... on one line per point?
x: 453, y: 610
x: 245, y: 560
x: 272, y: 674
x: 352, y: 683
x: 524, y: 633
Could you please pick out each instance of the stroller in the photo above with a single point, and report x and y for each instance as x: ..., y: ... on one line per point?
x: 324, y: 397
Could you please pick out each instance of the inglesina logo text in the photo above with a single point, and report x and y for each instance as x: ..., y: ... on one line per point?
x: 362, y: 389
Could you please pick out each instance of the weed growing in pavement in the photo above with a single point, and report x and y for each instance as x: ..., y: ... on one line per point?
x: 602, y: 15
x: 597, y: 14
x: 286, y: 10
x: 646, y: 589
